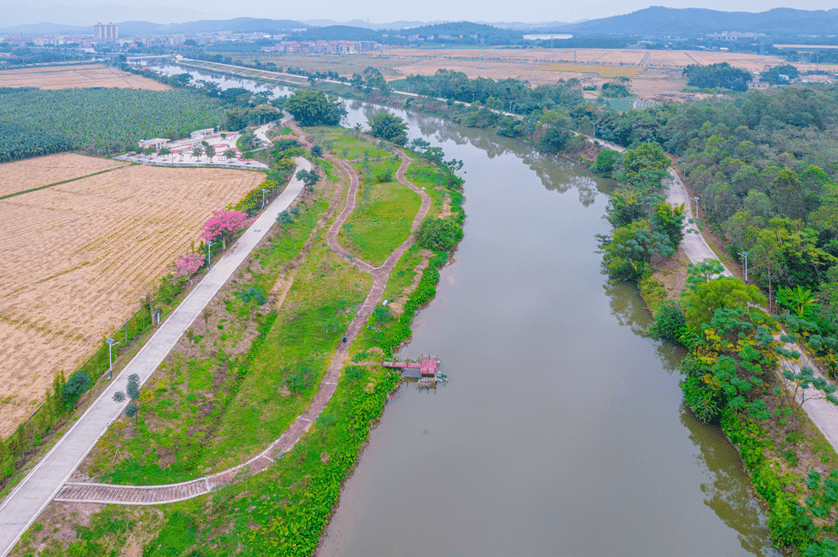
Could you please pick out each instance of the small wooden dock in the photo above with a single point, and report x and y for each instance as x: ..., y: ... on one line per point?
x: 426, y: 369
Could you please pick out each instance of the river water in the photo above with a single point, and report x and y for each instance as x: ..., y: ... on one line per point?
x: 561, y: 430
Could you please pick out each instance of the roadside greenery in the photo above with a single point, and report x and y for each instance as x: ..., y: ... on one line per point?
x: 99, y: 121
x: 645, y: 226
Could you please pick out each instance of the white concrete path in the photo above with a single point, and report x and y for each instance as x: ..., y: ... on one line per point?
x: 823, y: 413
x: 23, y: 505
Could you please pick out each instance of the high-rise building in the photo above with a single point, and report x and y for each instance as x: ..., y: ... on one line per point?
x: 109, y: 32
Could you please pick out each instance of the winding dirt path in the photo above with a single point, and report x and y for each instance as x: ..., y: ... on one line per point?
x: 86, y: 492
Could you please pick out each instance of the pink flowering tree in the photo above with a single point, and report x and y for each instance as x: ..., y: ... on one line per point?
x: 187, y: 265
x: 223, y: 225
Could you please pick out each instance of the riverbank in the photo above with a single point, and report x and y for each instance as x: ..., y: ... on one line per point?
x: 337, y: 432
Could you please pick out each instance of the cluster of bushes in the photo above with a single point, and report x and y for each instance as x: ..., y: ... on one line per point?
x: 645, y: 225
x: 61, y: 399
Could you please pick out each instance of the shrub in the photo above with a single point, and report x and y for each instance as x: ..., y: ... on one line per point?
x: 438, y: 234
x: 670, y: 323
x: 253, y: 293
x: 78, y: 383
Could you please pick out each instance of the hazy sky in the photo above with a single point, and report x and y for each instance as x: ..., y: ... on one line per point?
x: 377, y: 11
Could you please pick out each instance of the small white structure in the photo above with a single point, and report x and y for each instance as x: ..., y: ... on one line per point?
x: 758, y: 84
x: 156, y: 143
x: 203, y: 134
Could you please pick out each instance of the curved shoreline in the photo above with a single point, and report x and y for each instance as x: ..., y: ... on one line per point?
x: 88, y: 492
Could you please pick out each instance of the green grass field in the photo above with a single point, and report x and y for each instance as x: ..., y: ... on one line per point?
x: 348, y: 147
x: 198, y: 415
x: 381, y: 221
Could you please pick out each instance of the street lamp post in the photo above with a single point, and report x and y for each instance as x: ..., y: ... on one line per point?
x: 111, y: 344
x: 696, y: 210
x: 263, y: 198
x: 745, y: 255
x: 209, y: 254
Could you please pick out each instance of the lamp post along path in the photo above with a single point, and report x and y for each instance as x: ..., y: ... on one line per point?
x: 111, y: 343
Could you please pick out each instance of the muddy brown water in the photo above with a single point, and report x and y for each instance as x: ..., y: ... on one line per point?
x: 561, y: 430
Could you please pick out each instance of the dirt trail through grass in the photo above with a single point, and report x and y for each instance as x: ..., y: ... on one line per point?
x: 86, y: 492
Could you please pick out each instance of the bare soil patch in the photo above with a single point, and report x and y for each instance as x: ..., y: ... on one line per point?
x: 77, y: 77
x: 76, y: 259
x: 41, y: 171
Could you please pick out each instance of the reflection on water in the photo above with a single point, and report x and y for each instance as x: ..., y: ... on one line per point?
x: 561, y: 431
x: 728, y: 491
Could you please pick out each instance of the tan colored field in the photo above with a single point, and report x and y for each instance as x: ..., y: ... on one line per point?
x: 77, y: 77
x: 76, y: 256
x: 602, y: 71
x: 41, y: 171
x: 658, y: 72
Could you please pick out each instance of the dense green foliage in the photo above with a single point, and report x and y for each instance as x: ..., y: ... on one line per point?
x: 645, y: 226
x: 439, y: 234
x: 717, y: 75
x: 773, y: 75
x: 314, y: 108
x: 388, y: 126
x: 99, y: 120
x: 509, y: 94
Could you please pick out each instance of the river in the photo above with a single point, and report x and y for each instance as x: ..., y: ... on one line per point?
x: 561, y: 430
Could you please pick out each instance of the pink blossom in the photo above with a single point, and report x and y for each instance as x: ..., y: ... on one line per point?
x: 188, y: 264
x: 223, y: 223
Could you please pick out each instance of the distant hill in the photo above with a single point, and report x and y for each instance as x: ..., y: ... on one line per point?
x: 660, y: 21
x: 491, y: 34
x: 145, y: 28
x: 337, y: 33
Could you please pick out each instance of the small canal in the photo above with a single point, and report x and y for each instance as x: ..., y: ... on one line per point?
x: 561, y: 430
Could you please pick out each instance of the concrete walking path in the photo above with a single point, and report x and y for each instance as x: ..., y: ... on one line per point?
x: 23, y: 505
x: 88, y: 492
x: 823, y: 413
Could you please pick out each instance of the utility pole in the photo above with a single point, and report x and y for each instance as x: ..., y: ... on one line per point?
x: 696, y: 212
x: 745, y: 255
x: 209, y: 254
x: 111, y: 343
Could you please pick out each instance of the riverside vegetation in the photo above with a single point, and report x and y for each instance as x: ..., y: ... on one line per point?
x: 252, y: 361
x: 764, y: 166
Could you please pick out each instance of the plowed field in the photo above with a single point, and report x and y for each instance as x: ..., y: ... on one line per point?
x: 41, y: 171
x: 77, y: 77
x: 76, y: 256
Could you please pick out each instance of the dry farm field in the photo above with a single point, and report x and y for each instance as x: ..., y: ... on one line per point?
x: 76, y: 258
x: 41, y: 171
x: 77, y: 77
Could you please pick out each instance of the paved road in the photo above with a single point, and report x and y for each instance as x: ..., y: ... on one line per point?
x: 693, y: 244
x: 23, y: 505
x: 823, y: 413
x: 86, y: 492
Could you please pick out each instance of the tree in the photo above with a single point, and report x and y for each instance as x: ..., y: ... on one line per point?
x: 389, y: 126
x: 210, y: 150
x: 187, y: 264
x: 438, y: 233
x: 314, y: 108
x: 230, y: 154
x: 224, y: 224
x: 316, y: 151
x: 197, y: 152
x: 78, y: 383
x: 308, y: 177
x: 670, y: 221
x: 164, y: 151
x: 796, y: 299
x: 605, y: 161
x: 702, y: 301
x: 629, y: 249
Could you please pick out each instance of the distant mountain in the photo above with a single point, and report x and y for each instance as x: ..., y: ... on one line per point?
x: 146, y: 28
x: 337, y: 33
x: 660, y: 21
x: 237, y: 25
